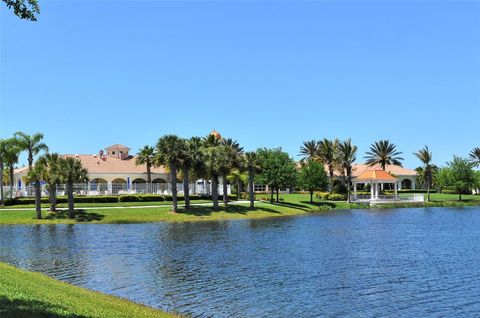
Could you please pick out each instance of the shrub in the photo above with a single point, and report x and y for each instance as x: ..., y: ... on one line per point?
x: 245, y: 196
x: 337, y: 197
x: 20, y: 201
x: 321, y: 195
x: 268, y: 199
x: 96, y: 199
x: 410, y: 191
x: 447, y: 191
x: 63, y: 199
x: 140, y: 198
x: 195, y: 197
x: 339, y: 187
x: 362, y: 192
x: 128, y: 198
x: 151, y: 197
x: 325, y: 196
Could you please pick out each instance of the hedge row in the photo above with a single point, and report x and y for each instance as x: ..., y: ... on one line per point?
x: 411, y: 191
x: 447, y: 191
x: 113, y: 199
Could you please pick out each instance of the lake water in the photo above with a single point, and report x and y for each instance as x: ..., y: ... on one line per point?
x: 401, y: 263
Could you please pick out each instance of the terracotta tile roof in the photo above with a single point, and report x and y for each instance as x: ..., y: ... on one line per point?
x: 359, y: 168
x: 375, y: 175
x: 95, y: 164
x: 20, y: 170
x: 395, y: 170
x: 117, y: 146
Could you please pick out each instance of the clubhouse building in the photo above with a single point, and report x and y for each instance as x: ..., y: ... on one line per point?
x: 114, y: 171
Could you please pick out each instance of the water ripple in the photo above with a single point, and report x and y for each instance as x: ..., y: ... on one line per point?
x: 405, y: 263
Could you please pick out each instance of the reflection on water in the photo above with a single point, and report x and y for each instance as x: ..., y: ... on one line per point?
x: 418, y: 262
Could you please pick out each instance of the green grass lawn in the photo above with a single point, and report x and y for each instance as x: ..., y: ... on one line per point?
x: 116, y: 204
x: 26, y: 294
x: 157, y: 214
x: 292, y: 204
x: 452, y: 197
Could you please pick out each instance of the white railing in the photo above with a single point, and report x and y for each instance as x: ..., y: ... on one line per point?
x: 387, y: 198
x: 92, y: 189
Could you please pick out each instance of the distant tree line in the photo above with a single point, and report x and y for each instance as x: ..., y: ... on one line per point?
x: 325, y: 165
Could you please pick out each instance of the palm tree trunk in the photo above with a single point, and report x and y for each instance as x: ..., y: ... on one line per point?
x: 251, y: 190
x: 186, y: 190
x: 225, y: 188
x: 52, y: 197
x: 428, y: 193
x: 349, y: 185
x: 71, y: 206
x: 11, y: 181
x: 149, y: 177
x: 239, y: 183
x: 2, y: 200
x: 38, y: 200
x: 30, y: 160
x: 277, y: 194
x: 330, y: 170
x: 215, y: 192
x: 173, y: 184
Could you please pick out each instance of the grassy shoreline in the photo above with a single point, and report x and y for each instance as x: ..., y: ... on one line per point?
x: 25, y: 294
x: 292, y: 204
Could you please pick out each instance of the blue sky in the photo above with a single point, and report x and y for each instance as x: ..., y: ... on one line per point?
x: 267, y: 73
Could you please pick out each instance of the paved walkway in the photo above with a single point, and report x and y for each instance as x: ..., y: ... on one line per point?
x: 125, y: 207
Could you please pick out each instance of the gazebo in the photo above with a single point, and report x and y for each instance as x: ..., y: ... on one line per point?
x: 376, y: 178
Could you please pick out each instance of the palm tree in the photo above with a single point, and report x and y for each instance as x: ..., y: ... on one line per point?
x: 328, y: 156
x: 252, y: 164
x: 50, y: 173
x: 425, y: 176
x: 208, y: 143
x: 309, y: 150
x: 425, y: 156
x: 10, y: 158
x: 34, y: 176
x: 475, y: 157
x: 211, y: 154
x: 169, y: 152
x: 223, y: 164
x: 190, y: 161
x: 238, y: 176
x: 72, y: 171
x: 347, y: 155
x: 146, y: 156
x: 32, y: 144
x: 383, y: 153
x: 3, y: 150
x: 229, y: 160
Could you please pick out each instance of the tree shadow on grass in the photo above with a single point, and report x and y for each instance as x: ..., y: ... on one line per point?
x: 238, y: 209
x: 306, y: 206
x: 21, y: 308
x: 322, y: 204
x: 302, y: 207
x: 80, y: 216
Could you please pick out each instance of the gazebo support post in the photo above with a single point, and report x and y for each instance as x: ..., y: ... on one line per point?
x: 355, y: 191
x: 395, y: 189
